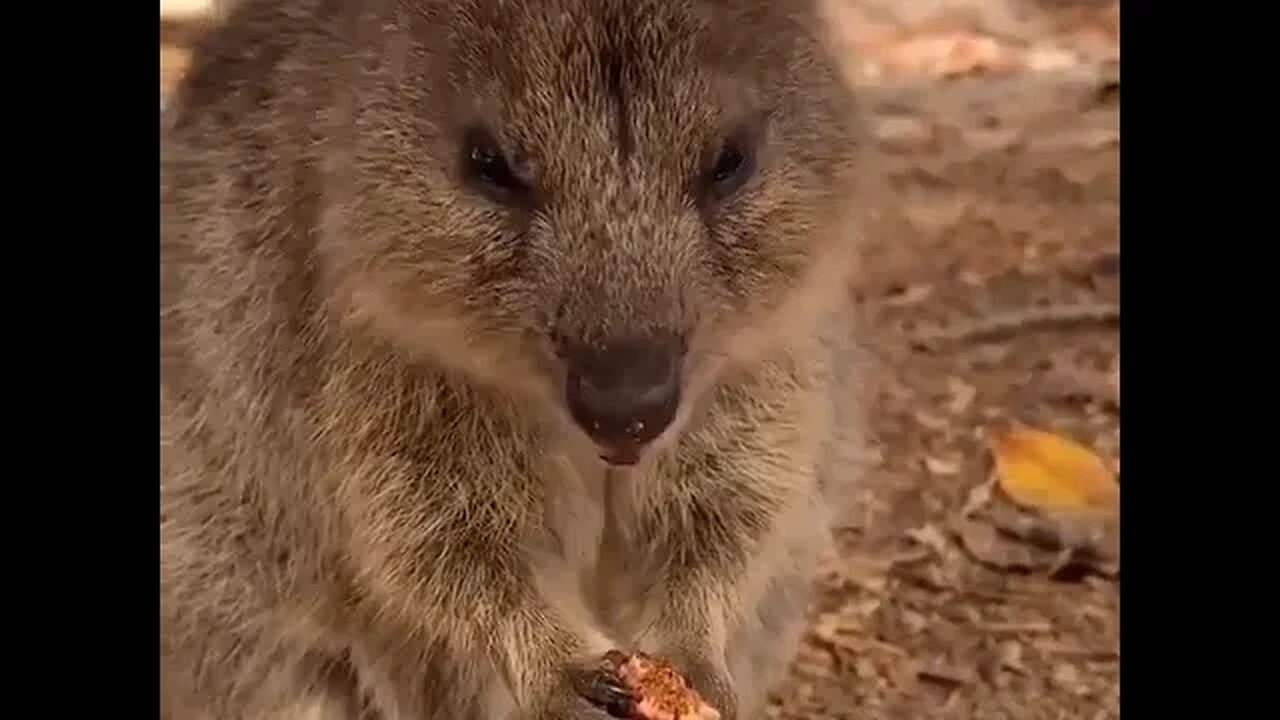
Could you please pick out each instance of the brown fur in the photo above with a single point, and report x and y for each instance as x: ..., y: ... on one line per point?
x: 372, y: 500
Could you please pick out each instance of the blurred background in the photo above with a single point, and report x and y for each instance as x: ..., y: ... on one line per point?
x: 977, y: 577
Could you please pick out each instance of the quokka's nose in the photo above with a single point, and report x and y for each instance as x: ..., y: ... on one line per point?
x: 624, y: 393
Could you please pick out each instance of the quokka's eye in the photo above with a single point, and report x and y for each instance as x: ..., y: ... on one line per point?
x: 728, y: 166
x: 488, y: 168
x: 733, y: 165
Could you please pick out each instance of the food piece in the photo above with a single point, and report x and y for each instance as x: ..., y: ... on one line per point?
x: 661, y: 692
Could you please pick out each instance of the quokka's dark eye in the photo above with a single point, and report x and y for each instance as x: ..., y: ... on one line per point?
x: 487, y: 167
x: 733, y: 166
x: 727, y: 165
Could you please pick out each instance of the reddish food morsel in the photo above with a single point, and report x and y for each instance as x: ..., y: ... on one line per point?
x: 661, y: 692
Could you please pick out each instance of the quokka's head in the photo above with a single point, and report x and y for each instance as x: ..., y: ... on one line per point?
x: 605, y: 202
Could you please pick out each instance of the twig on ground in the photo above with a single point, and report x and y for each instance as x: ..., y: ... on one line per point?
x: 1006, y: 324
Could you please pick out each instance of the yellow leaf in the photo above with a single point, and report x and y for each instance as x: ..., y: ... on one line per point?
x: 1045, y: 471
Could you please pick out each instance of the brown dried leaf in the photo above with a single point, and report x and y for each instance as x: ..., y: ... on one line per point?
x: 979, y: 497
x: 988, y: 546
x: 865, y: 669
x: 1054, y: 533
x: 941, y: 467
x: 910, y: 295
x: 914, y: 622
x: 1050, y: 59
x: 962, y: 395
x: 1067, y: 677
x: 944, y: 672
x: 931, y: 537
x: 902, y: 134
x: 930, y: 421
x: 1077, y: 542
x: 1010, y: 656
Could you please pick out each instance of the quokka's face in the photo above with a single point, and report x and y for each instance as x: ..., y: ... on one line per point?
x: 602, y: 201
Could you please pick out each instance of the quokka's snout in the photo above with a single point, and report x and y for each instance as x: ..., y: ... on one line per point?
x: 624, y: 392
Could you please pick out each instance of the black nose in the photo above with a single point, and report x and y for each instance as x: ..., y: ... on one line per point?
x: 624, y: 393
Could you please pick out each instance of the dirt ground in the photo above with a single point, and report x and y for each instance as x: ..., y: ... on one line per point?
x: 989, y: 297
x: 1010, y: 211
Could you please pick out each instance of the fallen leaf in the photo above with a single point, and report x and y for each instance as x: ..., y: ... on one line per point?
x: 1087, y: 140
x: 990, y: 140
x: 941, y: 671
x: 1010, y: 656
x: 906, y: 135
x: 1067, y: 677
x: 1075, y: 651
x: 1088, y: 543
x: 930, y: 421
x: 1014, y: 628
x: 910, y: 295
x: 989, y: 547
x: 1053, y: 533
x: 962, y: 395
x: 938, y: 466
x: 812, y: 662
x: 1044, y: 471
x: 914, y: 622
x: 929, y: 536
x: 979, y: 497
x: 1050, y: 59
x: 870, y: 579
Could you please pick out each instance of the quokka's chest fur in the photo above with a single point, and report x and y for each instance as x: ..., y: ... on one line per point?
x: 465, y: 477
x: 607, y: 539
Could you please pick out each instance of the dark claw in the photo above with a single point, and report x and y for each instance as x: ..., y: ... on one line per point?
x: 605, y: 689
